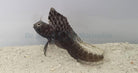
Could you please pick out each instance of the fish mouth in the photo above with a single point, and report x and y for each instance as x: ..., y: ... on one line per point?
x: 35, y: 27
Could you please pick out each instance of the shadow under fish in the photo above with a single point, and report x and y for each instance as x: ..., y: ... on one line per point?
x: 59, y: 31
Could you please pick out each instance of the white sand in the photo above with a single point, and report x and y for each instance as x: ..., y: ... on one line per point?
x: 119, y: 58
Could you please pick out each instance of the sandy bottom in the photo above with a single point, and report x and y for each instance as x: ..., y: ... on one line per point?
x: 119, y: 58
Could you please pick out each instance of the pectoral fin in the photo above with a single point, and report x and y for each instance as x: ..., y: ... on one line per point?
x: 45, y: 48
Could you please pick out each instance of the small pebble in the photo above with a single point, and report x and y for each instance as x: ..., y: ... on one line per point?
x: 132, y: 62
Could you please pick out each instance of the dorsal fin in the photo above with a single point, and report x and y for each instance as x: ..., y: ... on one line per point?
x: 59, y: 21
x: 61, y: 24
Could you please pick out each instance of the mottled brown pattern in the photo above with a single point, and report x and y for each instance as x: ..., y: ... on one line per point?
x: 78, y: 52
x: 59, y: 31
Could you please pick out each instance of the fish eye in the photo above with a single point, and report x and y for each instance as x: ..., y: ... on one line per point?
x: 38, y: 24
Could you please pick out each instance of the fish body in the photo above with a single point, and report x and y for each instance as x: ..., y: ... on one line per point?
x: 59, y: 31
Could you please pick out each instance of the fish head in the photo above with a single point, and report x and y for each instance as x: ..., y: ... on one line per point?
x: 43, y: 29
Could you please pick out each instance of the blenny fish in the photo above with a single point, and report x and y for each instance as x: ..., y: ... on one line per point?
x: 59, y: 31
